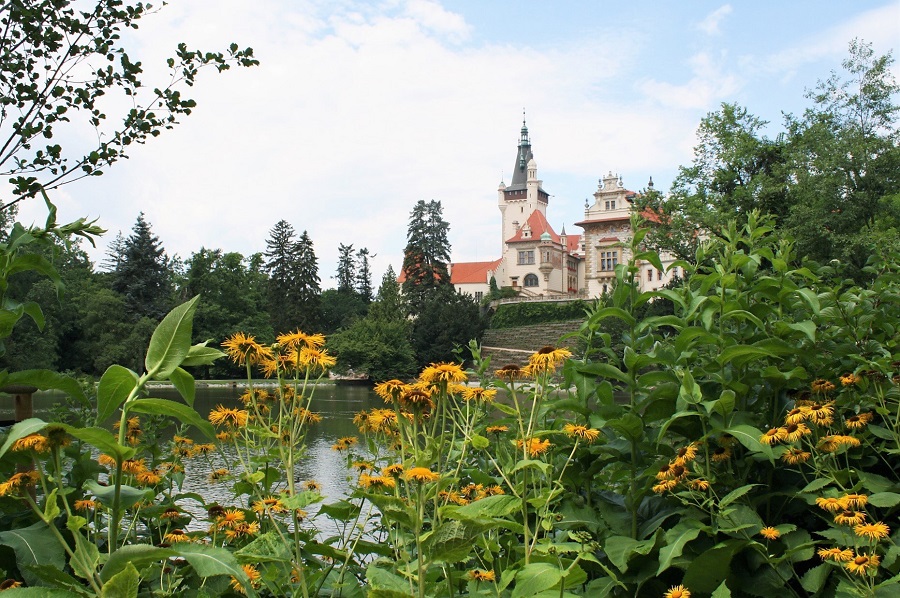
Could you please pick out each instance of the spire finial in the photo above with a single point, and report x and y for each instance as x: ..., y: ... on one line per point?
x: 650, y: 184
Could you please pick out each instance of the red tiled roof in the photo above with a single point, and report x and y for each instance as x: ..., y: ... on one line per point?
x: 471, y: 272
x: 539, y: 225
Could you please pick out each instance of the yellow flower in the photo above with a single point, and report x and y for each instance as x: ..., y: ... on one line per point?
x: 298, y: 339
x: 822, y: 386
x: 821, y: 414
x: 217, y: 474
x: 175, y: 536
x: 534, y: 447
x: 443, y: 372
x: 252, y: 574
x: 228, y: 416
x: 862, y: 563
x: 510, y: 372
x: 794, y: 432
x: 835, y: 554
x: 582, y: 432
x: 393, y: 470
x: 677, y: 592
x: 722, y: 453
x: 686, y: 454
x: 422, y: 475
x: 665, y: 486
x: 242, y: 349
x: 699, y: 484
x: 795, y: 456
x: 481, y: 575
x: 134, y: 466
x: 796, y: 415
x: 242, y: 530
x: 773, y: 435
x: 859, y: 421
x: 148, y: 477
x: 8, y: 584
x: 854, y: 501
x: 390, y: 390
x: 850, y: 518
x: 831, y: 504
x: 872, y: 531
x: 770, y: 533
x: 312, y: 486
x: 484, y: 395
x: 548, y: 358
x: 33, y: 442
x: 230, y: 518
x: 496, y: 429
x: 849, y: 379
x: 316, y: 358
x: 106, y: 460
x: 417, y: 396
x: 269, y: 504
x: 362, y: 466
x: 85, y: 505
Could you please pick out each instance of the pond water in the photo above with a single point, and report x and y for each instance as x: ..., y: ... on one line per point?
x: 335, y: 404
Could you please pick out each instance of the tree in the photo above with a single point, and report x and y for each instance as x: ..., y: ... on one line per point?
x: 845, y: 159
x: 346, y: 269
x: 447, y: 320
x: 389, y: 304
x: 427, y: 254
x: 281, y: 266
x: 364, y: 275
x: 46, y: 49
x: 308, y: 289
x: 144, y: 277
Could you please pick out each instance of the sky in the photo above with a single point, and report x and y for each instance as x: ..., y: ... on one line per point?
x: 360, y: 109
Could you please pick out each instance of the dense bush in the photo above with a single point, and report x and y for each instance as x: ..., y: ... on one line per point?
x: 510, y: 315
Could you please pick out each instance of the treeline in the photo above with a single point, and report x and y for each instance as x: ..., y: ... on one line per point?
x: 107, y: 314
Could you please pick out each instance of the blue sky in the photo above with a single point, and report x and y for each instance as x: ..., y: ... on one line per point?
x: 360, y: 109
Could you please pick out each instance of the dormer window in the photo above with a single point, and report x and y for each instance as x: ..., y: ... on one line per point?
x: 611, y: 205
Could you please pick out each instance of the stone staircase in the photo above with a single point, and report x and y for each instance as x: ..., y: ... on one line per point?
x: 515, y: 345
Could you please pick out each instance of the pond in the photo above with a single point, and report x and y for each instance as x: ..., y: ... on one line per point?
x: 335, y: 404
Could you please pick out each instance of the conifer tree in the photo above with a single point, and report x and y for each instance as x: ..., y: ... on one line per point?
x: 346, y: 269
x: 427, y: 254
x: 308, y: 290
x: 281, y: 266
x: 388, y: 305
x: 143, y: 276
x: 364, y: 275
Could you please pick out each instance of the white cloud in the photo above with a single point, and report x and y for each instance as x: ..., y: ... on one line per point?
x: 710, y: 24
x: 711, y: 83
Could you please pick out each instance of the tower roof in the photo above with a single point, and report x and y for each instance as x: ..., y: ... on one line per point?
x: 523, y: 156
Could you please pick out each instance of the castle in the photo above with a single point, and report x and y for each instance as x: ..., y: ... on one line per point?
x: 541, y: 263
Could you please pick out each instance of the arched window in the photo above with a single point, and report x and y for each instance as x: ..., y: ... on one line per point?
x: 531, y: 280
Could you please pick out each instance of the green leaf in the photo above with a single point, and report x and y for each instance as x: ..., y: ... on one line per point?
x: 708, y: 570
x: 184, y: 382
x: 123, y: 584
x: 129, y: 494
x: 620, y: 549
x: 52, y: 576
x: 22, y: 429
x: 200, y: 354
x: 629, y: 425
x: 816, y: 484
x: 884, y: 500
x: 382, y: 580
x: 171, y: 408
x: 51, y: 507
x: 86, y: 558
x: 171, y: 341
x: 34, y: 545
x: 115, y: 385
x: 479, y: 442
x: 676, y: 539
x: 534, y: 578
x: 209, y: 561
x: 500, y: 505
x: 266, y: 548
x: 34, y: 311
x: 749, y: 437
x: 735, y: 494
x: 50, y: 380
x: 814, y: 580
x: 721, y: 592
x: 602, y: 370
x: 137, y: 554
x: 103, y: 439
x: 39, y: 592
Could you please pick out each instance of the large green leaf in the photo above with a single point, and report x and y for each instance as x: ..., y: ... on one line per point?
x: 385, y: 583
x: 129, y: 494
x: 102, y: 439
x: 123, y: 584
x: 749, y: 437
x: 171, y: 408
x: 620, y: 549
x: 137, y: 554
x: 54, y: 577
x: 184, y: 383
x: 34, y: 545
x: 115, y: 385
x: 43, y: 593
x: 209, y: 561
x: 534, y: 578
x: 676, y: 539
x: 500, y: 505
x: 267, y: 547
x: 22, y: 429
x: 200, y: 354
x: 171, y: 341
x: 708, y: 570
x: 50, y: 380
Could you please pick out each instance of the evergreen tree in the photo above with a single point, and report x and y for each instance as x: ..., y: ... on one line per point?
x: 281, y: 266
x: 447, y: 320
x: 346, y: 269
x: 364, y: 275
x: 144, y: 277
x: 427, y: 254
x: 115, y: 253
x: 308, y: 290
x: 389, y: 305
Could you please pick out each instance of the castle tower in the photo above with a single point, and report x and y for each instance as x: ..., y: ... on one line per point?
x: 524, y: 194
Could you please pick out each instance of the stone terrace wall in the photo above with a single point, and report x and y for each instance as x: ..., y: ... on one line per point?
x: 515, y: 345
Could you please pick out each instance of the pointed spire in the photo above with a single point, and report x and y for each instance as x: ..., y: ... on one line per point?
x: 523, y: 156
x: 650, y: 184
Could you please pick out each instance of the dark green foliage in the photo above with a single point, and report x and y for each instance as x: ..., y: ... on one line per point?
x: 340, y: 309
x: 510, y: 315
x: 427, y: 254
x: 144, y: 277
x: 346, y: 269
x: 377, y: 348
x: 364, y: 275
x: 389, y: 304
x: 446, y: 320
x: 293, y: 290
x: 308, y: 289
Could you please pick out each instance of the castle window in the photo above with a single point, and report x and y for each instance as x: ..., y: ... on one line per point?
x: 526, y: 258
x: 608, y: 260
x: 659, y: 275
x: 531, y: 280
x: 649, y: 274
